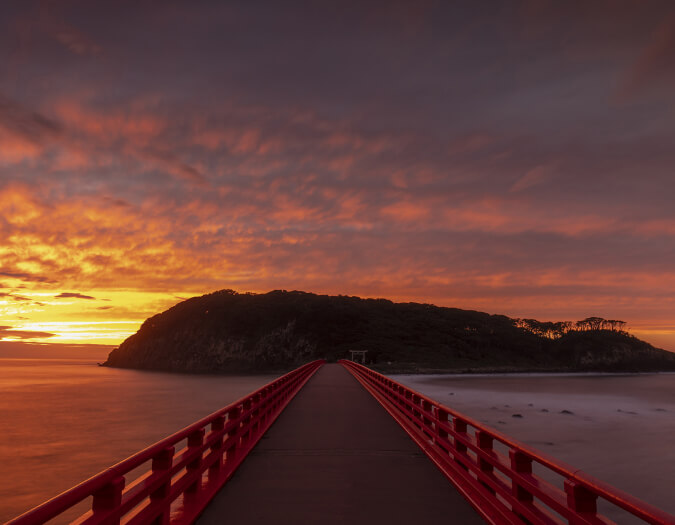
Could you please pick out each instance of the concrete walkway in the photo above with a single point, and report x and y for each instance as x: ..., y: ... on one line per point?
x: 335, y: 456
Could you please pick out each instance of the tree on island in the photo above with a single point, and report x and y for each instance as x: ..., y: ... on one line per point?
x: 555, y: 330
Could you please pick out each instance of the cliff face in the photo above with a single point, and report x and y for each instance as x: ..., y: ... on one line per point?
x: 230, y: 333
x: 609, y: 351
x: 187, y: 348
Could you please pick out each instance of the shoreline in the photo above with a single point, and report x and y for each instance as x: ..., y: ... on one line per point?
x: 431, y: 375
x: 511, y: 371
x: 414, y: 370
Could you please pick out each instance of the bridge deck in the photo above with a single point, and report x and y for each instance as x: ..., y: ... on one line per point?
x: 336, y: 456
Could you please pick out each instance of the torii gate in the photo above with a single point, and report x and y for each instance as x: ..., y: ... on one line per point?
x: 359, y: 356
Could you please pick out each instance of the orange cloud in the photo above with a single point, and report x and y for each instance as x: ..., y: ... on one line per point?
x: 73, y: 295
x: 9, y: 334
x: 16, y: 149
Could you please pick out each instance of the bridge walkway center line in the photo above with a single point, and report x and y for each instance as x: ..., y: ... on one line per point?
x: 335, y: 456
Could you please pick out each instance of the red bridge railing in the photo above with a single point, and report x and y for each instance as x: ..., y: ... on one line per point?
x: 501, y: 485
x: 185, y: 470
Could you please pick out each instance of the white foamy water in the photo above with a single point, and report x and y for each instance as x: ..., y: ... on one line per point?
x: 618, y: 428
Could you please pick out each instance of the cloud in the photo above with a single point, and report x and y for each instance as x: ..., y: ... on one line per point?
x: 14, y: 297
x: 77, y: 42
x: 26, y: 123
x: 26, y: 276
x: 533, y: 177
x: 73, y: 295
x: 654, y: 66
x: 6, y: 332
x: 467, y: 156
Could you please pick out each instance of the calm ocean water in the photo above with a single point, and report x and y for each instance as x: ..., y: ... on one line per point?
x: 64, y: 419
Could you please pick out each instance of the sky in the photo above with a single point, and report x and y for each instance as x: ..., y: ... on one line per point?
x: 514, y: 157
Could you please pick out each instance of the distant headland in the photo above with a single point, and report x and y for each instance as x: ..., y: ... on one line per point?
x: 230, y: 332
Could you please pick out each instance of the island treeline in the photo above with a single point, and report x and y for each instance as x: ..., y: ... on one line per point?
x: 555, y: 330
x: 230, y: 332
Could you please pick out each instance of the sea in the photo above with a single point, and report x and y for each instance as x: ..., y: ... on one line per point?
x: 63, y: 418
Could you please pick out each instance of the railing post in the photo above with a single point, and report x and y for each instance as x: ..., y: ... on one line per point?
x: 426, y: 419
x: 163, y: 462
x: 416, y: 410
x: 231, y: 452
x: 272, y: 398
x: 108, y: 498
x: 217, y: 425
x: 485, y: 441
x: 195, y: 441
x: 442, y: 419
x: 408, y: 399
x: 426, y: 410
x: 256, y: 414
x: 401, y: 396
x: 265, y: 409
x: 520, y: 464
x: 459, y: 427
x: 580, y: 499
x: 246, y: 433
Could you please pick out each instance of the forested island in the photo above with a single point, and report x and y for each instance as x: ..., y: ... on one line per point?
x: 230, y: 332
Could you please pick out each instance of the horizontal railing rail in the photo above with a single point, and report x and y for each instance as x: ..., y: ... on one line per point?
x: 186, y: 469
x: 502, y: 487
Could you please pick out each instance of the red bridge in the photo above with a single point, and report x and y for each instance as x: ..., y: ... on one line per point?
x: 335, y: 456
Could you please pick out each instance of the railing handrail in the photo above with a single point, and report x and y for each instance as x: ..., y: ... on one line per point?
x: 243, y: 410
x: 395, y: 393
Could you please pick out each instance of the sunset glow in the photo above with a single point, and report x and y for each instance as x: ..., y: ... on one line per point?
x: 517, y: 160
